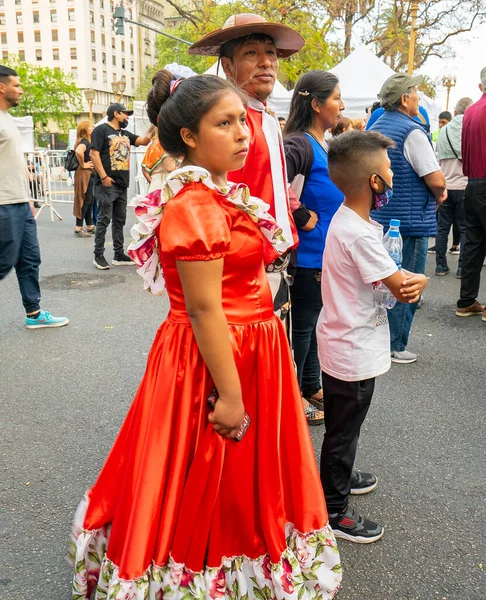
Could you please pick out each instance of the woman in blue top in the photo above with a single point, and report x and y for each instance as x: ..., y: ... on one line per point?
x: 316, y: 107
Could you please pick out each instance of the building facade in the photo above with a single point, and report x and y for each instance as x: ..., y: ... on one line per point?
x: 78, y: 37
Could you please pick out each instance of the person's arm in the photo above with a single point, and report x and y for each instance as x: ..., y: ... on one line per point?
x: 141, y: 140
x: 202, y: 287
x: 405, y: 286
x: 437, y: 185
x: 299, y: 156
x: 80, y: 150
x: 98, y: 165
x: 146, y: 174
x: 420, y: 155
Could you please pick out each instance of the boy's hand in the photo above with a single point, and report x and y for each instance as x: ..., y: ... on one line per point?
x: 413, y: 286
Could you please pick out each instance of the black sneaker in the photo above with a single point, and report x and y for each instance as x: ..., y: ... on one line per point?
x: 351, y: 526
x: 122, y: 260
x: 362, y: 483
x: 431, y: 250
x: 100, y: 263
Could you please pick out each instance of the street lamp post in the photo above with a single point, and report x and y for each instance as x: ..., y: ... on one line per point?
x: 118, y: 88
x: 90, y: 96
x: 449, y: 82
x: 411, y: 46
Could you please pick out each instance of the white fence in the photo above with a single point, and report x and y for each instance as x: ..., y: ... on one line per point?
x: 50, y: 183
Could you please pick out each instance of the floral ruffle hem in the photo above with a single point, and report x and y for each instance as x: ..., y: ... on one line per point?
x: 308, y: 569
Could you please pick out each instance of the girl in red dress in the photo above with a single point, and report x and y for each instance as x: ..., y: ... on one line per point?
x: 180, y: 509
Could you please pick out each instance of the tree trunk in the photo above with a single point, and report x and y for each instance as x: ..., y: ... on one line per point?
x: 348, y: 31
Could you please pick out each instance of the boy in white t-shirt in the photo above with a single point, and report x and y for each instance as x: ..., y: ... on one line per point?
x: 352, y: 330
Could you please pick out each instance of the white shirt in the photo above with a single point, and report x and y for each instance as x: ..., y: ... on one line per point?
x: 14, y: 183
x: 352, y: 329
x: 419, y: 153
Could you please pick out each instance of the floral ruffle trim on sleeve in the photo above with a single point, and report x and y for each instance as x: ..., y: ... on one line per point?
x: 143, y: 249
x: 308, y: 569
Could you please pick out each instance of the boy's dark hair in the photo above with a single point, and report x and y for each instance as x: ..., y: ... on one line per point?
x: 185, y: 107
x: 353, y: 158
x: 282, y: 119
x: 228, y: 48
x: 318, y: 85
x: 445, y: 114
x: 6, y: 73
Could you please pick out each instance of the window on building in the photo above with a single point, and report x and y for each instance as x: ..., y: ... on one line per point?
x: 123, y: 46
x: 55, y: 36
x: 91, y: 2
x: 2, y: 19
x: 37, y: 36
x: 38, y: 54
x: 95, y: 75
x: 123, y: 63
x: 103, y: 40
x: 19, y: 18
x: 74, y: 54
x: 5, y: 54
x: 74, y: 71
x: 93, y: 54
x: 72, y: 35
x: 93, y: 38
x: 131, y: 49
x: 113, y: 60
x: 20, y: 37
x: 105, y: 77
x: 113, y: 44
x: 53, y: 16
x: 55, y: 53
x: 72, y: 15
x: 102, y: 4
x: 102, y: 21
x: 3, y: 37
x: 133, y: 83
x: 91, y: 17
x: 35, y: 16
x: 17, y: 2
x: 132, y: 66
x: 131, y: 32
x: 103, y: 58
x: 22, y: 55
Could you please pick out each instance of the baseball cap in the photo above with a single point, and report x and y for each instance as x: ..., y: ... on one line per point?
x: 395, y: 86
x: 117, y: 107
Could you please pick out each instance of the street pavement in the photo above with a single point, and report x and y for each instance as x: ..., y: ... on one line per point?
x: 65, y: 392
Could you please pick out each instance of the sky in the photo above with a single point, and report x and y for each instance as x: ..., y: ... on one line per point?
x: 470, y: 50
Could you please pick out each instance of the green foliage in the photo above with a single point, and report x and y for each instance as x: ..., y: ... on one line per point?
x: 48, y: 95
x: 316, y: 54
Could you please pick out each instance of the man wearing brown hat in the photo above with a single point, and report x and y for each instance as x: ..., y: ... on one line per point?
x: 249, y: 48
x: 418, y: 184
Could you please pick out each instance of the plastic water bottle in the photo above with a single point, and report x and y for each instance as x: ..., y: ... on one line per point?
x: 393, y: 242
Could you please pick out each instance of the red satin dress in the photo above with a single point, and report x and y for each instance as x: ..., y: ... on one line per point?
x: 178, y: 511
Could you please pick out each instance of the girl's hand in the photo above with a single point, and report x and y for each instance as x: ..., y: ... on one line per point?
x: 227, y: 417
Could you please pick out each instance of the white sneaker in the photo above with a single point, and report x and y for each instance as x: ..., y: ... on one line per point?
x: 404, y: 358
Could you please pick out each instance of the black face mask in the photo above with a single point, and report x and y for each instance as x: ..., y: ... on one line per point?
x: 123, y: 124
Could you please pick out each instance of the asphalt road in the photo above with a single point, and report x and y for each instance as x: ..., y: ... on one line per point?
x: 64, y: 394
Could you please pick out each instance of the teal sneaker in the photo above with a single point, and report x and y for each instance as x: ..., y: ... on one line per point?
x: 45, y: 319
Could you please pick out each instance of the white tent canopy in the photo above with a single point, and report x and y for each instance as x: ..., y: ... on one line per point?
x: 361, y: 75
x: 279, y: 99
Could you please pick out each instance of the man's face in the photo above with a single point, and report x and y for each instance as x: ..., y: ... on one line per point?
x: 443, y: 122
x: 411, y: 102
x: 11, y: 91
x: 254, y: 67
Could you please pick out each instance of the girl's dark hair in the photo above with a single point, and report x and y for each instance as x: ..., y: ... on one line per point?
x: 317, y: 85
x: 191, y: 100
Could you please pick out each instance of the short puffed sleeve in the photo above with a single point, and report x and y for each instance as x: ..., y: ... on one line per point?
x: 195, y: 226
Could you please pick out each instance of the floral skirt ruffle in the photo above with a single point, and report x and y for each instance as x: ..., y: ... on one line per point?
x: 309, y: 568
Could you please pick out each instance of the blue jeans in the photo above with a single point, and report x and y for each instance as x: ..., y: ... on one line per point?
x: 305, y: 308
x: 400, y: 317
x: 19, y: 248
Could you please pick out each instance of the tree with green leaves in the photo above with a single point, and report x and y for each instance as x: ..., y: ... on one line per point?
x: 49, y: 95
x: 318, y: 53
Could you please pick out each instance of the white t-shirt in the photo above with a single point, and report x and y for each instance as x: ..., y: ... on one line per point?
x: 14, y: 184
x: 352, y: 330
x: 419, y: 153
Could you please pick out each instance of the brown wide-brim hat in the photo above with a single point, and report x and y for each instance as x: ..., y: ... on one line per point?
x: 286, y: 40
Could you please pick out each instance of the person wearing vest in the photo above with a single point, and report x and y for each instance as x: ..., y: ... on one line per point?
x: 452, y: 210
x: 418, y: 185
x: 248, y: 48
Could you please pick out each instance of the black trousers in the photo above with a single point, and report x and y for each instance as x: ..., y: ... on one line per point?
x: 346, y: 405
x: 112, y: 202
x: 474, y: 251
x: 306, y: 305
x: 449, y: 212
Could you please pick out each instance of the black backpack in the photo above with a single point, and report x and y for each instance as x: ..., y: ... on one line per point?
x: 71, y: 162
